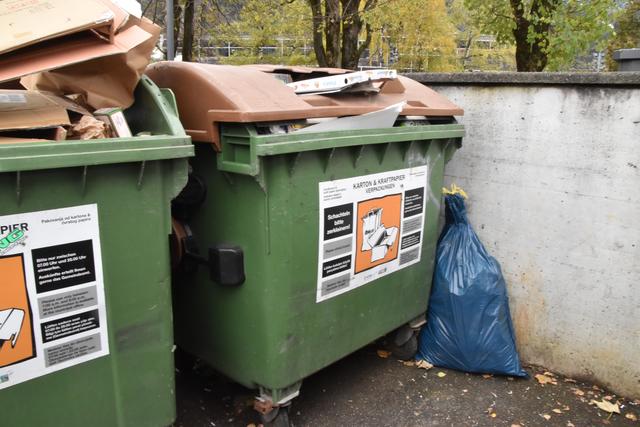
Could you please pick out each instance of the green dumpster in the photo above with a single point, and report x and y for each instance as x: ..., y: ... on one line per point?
x: 316, y: 243
x: 85, y: 303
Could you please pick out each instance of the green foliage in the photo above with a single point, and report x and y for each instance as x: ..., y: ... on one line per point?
x: 559, y: 29
x: 627, y: 31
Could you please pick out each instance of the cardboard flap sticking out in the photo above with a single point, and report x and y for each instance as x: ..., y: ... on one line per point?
x: 25, y: 109
x: 25, y: 23
x: 67, y: 50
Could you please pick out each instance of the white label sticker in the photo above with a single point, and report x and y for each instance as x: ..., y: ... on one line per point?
x: 370, y: 226
x: 52, y: 303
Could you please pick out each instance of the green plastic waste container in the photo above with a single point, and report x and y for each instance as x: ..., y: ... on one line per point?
x: 316, y: 243
x: 85, y: 303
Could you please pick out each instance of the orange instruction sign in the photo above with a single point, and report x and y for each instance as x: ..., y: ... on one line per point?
x: 370, y: 226
x: 16, y: 325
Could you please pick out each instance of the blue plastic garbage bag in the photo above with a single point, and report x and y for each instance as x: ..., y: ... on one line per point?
x: 468, y: 325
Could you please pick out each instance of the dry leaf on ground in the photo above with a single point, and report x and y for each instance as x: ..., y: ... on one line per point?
x: 557, y: 411
x: 606, y: 406
x: 546, y: 416
x: 570, y: 380
x: 545, y: 379
x: 383, y: 353
x: 487, y: 375
x: 549, y: 374
x: 578, y: 392
x: 631, y: 416
x: 423, y: 364
x: 608, y: 397
x: 441, y: 374
x: 516, y: 425
x: 409, y: 363
x: 570, y: 424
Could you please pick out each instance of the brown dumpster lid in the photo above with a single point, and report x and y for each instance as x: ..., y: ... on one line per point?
x: 210, y: 94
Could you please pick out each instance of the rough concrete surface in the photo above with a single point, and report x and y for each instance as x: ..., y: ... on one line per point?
x: 364, y: 389
x: 553, y: 174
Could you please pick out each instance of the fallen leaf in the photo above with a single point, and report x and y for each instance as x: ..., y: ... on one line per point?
x: 251, y: 425
x: 557, y: 411
x: 493, y: 415
x: 441, y: 374
x: 570, y: 424
x: 383, y: 353
x: 631, y: 416
x: 578, y: 392
x: 549, y: 374
x: 546, y: 416
x: 509, y: 378
x: 606, y: 406
x: 423, y: 364
x: 409, y: 363
x: 487, y: 375
x: 595, y: 387
x: 544, y: 379
x: 516, y: 425
x: 565, y: 408
x: 608, y: 397
x: 464, y: 390
x: 570, y: 380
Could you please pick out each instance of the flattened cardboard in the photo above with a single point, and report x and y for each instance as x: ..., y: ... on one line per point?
x: 68, y: 50
x: 25, y: 109
x: 25, y: 23
x: 102, y: 89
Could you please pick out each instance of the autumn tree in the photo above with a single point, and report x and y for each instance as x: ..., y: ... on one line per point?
x: 548, y: 34
x: 336, y: 26
x: 418, y: 31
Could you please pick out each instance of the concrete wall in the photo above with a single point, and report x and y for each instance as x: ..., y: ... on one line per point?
x: 552, y: 167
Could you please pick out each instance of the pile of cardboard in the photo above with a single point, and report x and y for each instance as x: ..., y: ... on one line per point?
x: 78, y: 61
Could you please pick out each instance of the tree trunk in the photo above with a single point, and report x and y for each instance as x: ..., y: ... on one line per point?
x: 187, y: 39
x: 332, y: 21
x: 318, y: 43
x: 177, y: 15
x: 351, y: 27
x: 532, y: 56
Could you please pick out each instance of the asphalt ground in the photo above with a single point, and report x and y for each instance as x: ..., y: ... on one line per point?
x: 365, y: 389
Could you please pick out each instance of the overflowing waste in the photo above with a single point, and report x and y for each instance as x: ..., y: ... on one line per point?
x: 70, y: 67
x: 468, y: 321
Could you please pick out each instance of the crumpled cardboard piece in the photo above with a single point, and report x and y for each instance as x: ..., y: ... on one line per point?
x: 108, y: 81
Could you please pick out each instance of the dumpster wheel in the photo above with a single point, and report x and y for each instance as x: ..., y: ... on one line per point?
x: 277, y: 417
x: 403, y: 342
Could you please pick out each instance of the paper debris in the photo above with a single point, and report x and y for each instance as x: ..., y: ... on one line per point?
x: 606, y: 406
x: 88, y: 128
x: 423, y: 364
x: 383, y: 353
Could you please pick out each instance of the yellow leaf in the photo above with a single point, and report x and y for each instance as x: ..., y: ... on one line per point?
x: 546, y: 416
x: 383, y: 353
x: 544, y: 379
x: 578, y: 392
x: 493, y: 415
x: 557, y: 411
x: 441, y: 374
x: 607, y: 406
x: 631, y: 416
